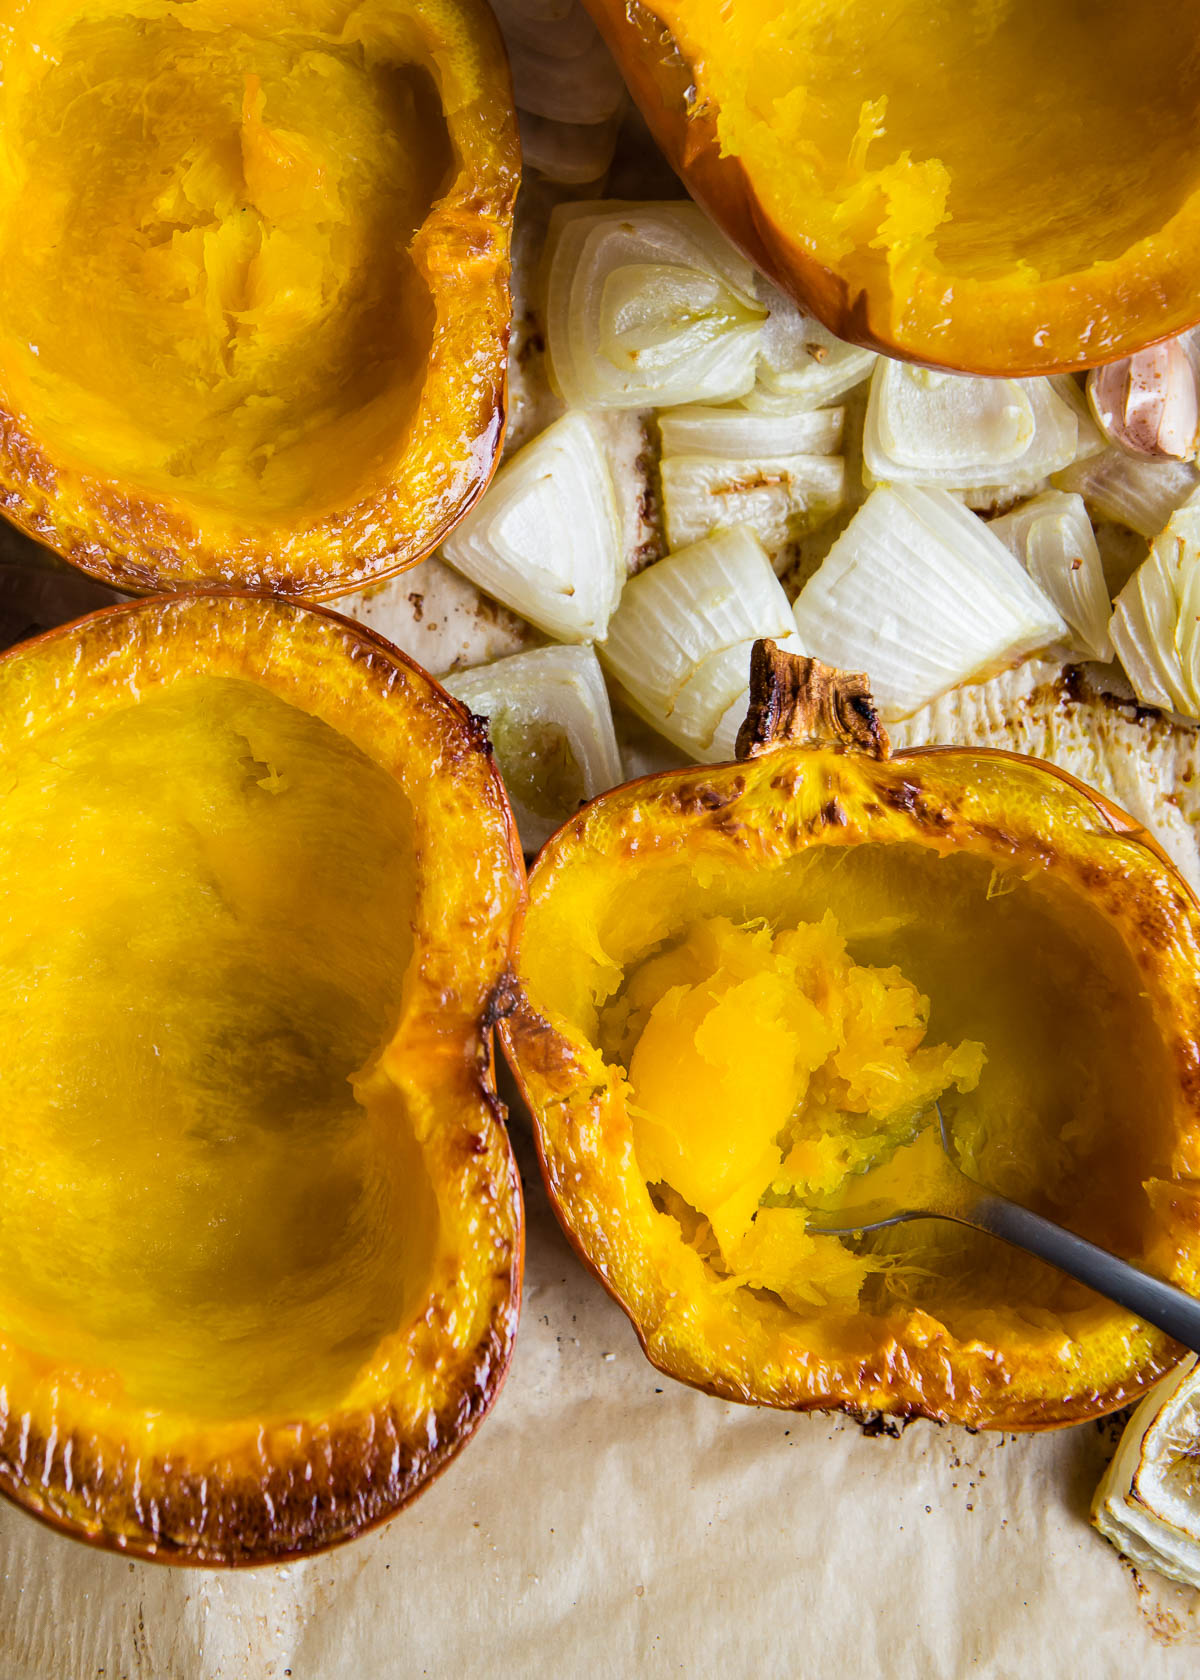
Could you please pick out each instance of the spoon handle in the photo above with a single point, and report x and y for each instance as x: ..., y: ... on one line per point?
x: 1160, y: 1304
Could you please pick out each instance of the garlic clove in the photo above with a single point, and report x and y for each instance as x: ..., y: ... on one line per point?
x: 1147, y: 404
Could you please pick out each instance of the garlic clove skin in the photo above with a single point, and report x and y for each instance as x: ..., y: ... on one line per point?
x: 1147, y: 404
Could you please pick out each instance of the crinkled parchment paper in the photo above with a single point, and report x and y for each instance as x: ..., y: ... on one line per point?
x: 608, y: 1522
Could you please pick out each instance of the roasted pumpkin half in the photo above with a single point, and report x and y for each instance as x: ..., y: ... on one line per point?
x: 740, y: 986
x: 1001, y: 186
x: 254, y: 298
x: 260, y: 1226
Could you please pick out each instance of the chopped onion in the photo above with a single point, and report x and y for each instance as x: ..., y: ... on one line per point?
x: 647, y: 305
x: 552, y: 730
x: 723, y: 746
x: 761, y: 401
x: 560, y: 28
x: 958, y: 432
x: 587, y: 89
x: 1146, y: 1503
x: 679, y: 643
x: 945, y: 422
x: 992, y: 499
x: 1190, y: 341
x: 1091, y: 439
x: 1053, y: 539
x: 1140, y: 494
x: 800, y: 361
x: 719, y: 690
x: 722, y: 467
x: 569, y: 94
x: 694, y: 603
x: 781, y: 497
x: 561, y: 69
x: 572, y: 154
x: 1155, y: 628
x: 734, y: 434
x: 918, y: 593
x: 545, y: 539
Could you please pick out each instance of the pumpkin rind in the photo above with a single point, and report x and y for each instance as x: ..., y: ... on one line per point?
x: 251, y: 1489
x: 758, y: 813
x: 981, y: 325
x: 374, y: 488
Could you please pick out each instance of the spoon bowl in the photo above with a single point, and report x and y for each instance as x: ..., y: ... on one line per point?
x: 943, y: 1191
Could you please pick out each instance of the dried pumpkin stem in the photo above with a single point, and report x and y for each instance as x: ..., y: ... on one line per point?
x: 798, y: 700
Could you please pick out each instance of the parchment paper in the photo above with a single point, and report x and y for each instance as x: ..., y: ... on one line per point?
x: 609, y: 1522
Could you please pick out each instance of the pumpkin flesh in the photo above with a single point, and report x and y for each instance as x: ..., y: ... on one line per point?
x: 992, y: 889
x: 838, y: 1079
x: 1003, y: 188
x: 226, y: 237
x: 246, y: 1208
x: 254, y: 1201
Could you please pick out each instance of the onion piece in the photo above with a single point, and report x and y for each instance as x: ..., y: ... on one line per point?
x: 740, y: 436
x: 781, y: 497
x: 587, y: 89
x: 1091, y: 439
x: 722, y: 467
x: 552, y: 731
x: 959, y: 432
x: 776, y: 403
x: 918, y: 593
x: 571, y: 154
x: 647, y: 305
x: 679, y: 643
x: 717, y: 692
x: 1140, y: 494
x: 561, y: 68
x: 945, y: 422
x: 559, y: 28
x: 723, y: 746
x: 545, y: 539
x: 800, y: 361
x: 1053, y: 539
x: 1146, y: 1503
x: 1154, y: 624
x: 569, y: 94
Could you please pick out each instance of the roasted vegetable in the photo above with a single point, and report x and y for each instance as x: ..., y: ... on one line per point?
x: 999, y: 188
x: 737, y: 986
x: 1147, y: 1502
x: 260, y: 1226
x: 254, y: 288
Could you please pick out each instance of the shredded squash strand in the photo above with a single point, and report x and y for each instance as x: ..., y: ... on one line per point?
x: 764, y: 1062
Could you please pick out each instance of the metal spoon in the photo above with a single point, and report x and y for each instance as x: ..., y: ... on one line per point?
x: 947, y: 1193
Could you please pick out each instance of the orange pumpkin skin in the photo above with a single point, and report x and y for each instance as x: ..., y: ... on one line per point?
x: 947, y: 318
x: 732, y: 826
x: 301, y: 1397
x: 306, y: 412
